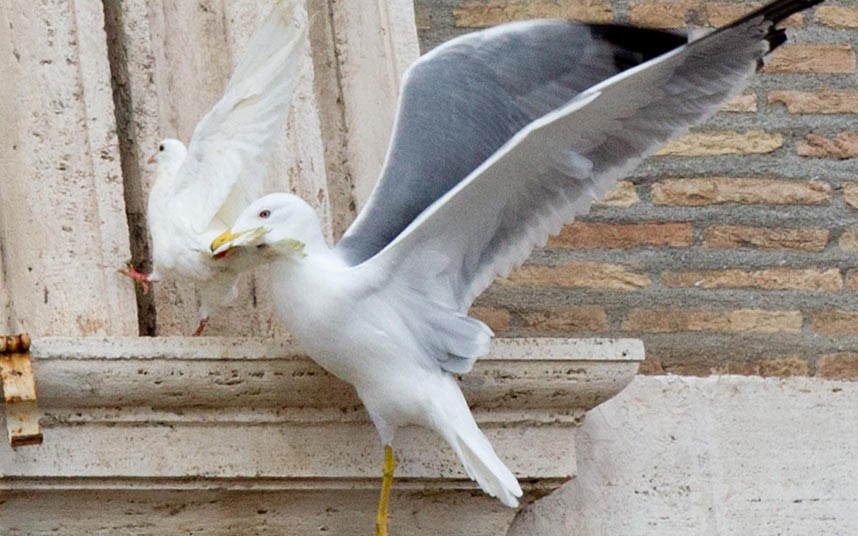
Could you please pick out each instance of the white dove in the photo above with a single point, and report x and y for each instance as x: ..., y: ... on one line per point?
x: 501, y: 137
x: 199, y: 191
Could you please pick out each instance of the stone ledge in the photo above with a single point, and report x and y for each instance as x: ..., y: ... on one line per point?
x: 211, y: 372
x: 226, y: 416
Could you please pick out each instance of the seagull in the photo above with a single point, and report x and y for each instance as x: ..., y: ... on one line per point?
x: 200, y: 190
x: 501, y: 137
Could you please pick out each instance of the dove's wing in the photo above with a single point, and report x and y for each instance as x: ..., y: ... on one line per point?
x: 228, y: 150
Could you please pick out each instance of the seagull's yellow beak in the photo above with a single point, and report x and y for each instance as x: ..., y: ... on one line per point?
x: 227, y: 240
x: 224, y: 238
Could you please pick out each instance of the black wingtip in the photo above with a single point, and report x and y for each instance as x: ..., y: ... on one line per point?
x: 633, y: 46
x: 774, y: 13
x: 776, y: 37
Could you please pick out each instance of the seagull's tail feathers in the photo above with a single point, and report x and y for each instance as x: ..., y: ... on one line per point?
x: 475, y: 452
x: 483, y: 465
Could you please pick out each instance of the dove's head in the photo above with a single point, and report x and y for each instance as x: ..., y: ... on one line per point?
x: 277, y: 225
x: 171, y: 153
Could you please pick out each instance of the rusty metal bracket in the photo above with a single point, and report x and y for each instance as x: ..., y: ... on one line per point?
x: 19, y: 389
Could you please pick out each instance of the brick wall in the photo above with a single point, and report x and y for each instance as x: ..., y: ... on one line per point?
x: 734, y: 249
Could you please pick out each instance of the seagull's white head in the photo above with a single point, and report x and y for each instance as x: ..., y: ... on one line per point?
x: 171, y: 153
x: 277, y: 225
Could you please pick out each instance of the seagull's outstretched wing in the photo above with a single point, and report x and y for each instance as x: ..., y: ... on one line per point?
x: 229, y: 145
x: 550, y: 171
x: 464, y: 100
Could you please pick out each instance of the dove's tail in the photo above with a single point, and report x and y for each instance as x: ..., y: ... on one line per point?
x: 474, y: 450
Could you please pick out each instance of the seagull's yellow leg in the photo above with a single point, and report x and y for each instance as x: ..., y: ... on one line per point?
x: 387, y: 469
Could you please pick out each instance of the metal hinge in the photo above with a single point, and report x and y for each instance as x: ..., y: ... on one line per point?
x: 19, y: 389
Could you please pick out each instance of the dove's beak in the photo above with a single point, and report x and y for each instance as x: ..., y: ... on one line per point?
x: 152, y: 159
x: 227, y: 240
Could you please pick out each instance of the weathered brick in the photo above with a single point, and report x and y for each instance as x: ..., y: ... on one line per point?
x: 746, y: 102
x: 844, y: 145
x: 422, y: 18
x: 777, y: 367
x: 623, y: 195
x: 579, y: 275
x: 852, y: 280
x: 481, y: 14
x: 719, y: 13
x: 784, y: 367
x: 583, y: 235
x: 742, y: 320
x: 715, y: 190
x: 849, y: 240
x: 815, y: 280
x: 651, y: 364
x: 819, y: 58
x: 816, y: 102
x: 662, y: 14
x: 850, y: 193
x: 838, y: 16
x: 834, y: 321
x: 693, y: 368
x: 714, y: 361
x: 684, y: 12
x: 496, y: 318
x: 839, y: 366
x: 723, y: 142
x: 734, y: 236
x: 565, y: 320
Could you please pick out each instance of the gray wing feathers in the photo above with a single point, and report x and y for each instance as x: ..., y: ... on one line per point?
x: 552, y: 170
x: 625, y: 122
x: 463, y: 101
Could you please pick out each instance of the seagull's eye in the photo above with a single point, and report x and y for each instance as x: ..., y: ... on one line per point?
x: 161, y: 147
x: 264, y: 213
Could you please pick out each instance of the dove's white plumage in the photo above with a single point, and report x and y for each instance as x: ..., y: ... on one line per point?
x: 198, y: 192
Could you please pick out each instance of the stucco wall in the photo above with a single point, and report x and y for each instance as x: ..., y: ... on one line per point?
x: 62, y: 226
x: 91, y: 87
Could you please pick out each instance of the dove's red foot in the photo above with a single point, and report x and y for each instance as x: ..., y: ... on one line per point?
x: 200, y: 327
x: 140, y: 277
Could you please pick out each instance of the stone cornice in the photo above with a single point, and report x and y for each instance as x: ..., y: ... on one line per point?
x: 223, y: 415
x: 223, y: 373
